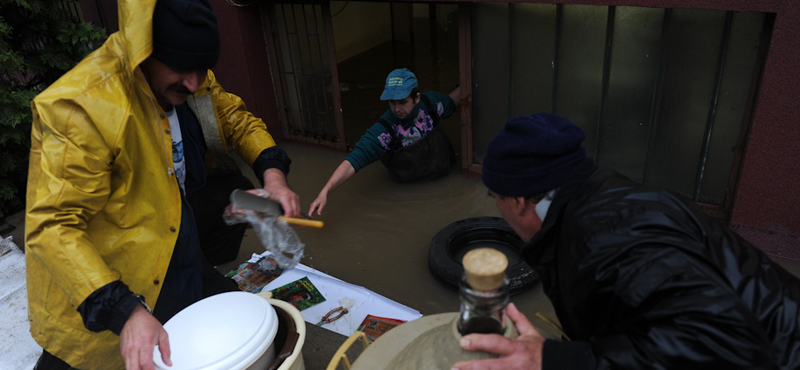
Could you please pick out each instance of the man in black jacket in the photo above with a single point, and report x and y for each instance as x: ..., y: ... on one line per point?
x: 639, y: 277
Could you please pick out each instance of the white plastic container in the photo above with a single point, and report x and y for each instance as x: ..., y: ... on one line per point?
x: 228, y: 331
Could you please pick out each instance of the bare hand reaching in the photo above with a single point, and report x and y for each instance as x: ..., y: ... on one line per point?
x: 275, y: 183
x: 141, y: 333
x: 319, y: 203
x: 342, y: 173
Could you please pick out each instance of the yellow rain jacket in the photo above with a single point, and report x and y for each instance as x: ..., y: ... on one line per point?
x: 103, y: 203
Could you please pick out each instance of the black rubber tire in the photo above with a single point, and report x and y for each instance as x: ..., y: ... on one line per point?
x: 450, y: 244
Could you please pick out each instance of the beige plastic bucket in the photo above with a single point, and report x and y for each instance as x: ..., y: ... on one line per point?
x: 290, y: 356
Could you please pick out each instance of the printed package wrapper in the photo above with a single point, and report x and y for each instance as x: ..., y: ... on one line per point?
x: 253, y: 276
x: 300, y: 293
x: 374, y: 326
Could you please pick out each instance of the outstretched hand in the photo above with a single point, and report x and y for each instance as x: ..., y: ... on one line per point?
x: 318, y: 204
x: 141, y: 333
x: 275, y: 183
x: 342, y: 173
x: 524, y: 352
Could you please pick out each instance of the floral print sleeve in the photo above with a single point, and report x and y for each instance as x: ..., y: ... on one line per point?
x: 370, y: 148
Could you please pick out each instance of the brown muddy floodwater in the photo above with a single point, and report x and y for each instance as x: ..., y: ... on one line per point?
x: 377, y: 233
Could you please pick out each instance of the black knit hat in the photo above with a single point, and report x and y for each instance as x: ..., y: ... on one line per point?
x: 532, y: 155
x: 185, y: 34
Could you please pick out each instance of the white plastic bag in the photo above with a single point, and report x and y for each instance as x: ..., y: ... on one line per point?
x: 276, y: 235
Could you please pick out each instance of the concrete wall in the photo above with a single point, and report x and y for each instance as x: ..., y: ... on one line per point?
x: 359, y: 26
x: 243, y: 67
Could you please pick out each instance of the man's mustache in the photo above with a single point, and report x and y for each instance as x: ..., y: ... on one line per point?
x: 179, y: 88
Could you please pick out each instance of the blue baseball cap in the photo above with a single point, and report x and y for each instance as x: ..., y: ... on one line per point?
x: 399, y: 84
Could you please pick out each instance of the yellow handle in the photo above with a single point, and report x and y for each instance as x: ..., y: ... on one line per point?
x: 340, y: 354
x: 301, y: 222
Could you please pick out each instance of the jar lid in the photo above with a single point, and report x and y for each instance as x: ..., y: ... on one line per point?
x: 485, y: 268
x: 222, y: 332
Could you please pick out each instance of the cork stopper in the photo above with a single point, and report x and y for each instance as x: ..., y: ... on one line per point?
x: 485, y: 268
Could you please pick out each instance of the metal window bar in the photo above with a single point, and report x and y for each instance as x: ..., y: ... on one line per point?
x: 72, y: 8
x: 324, y: 128
x: 605, y: 79
x: 465, y: 70
x: 556, y: 55
x: 285, y: 74
x: 337, y: 137
x: 658, y: 87
x: 712, y: 112
x: 273, y: 44
x: 314, y: 119
x: 304, y: 80
x: 510, y: 56
x: 292, y: 71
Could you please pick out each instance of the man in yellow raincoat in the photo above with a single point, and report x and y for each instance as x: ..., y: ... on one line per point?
x: 118, y: 145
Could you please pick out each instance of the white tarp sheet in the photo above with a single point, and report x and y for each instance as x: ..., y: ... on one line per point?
x: 365, y: 301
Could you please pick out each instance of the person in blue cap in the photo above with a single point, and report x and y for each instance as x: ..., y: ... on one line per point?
x: 407, y: 139
x: 639, y: 277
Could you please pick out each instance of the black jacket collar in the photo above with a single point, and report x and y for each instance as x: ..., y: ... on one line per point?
x: 541, y: 248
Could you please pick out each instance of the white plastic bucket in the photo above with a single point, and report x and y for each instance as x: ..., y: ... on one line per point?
x: 228, y: 331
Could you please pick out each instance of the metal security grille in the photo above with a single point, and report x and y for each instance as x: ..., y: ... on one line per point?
x: 302, y: 58
x: 71, y: 8
x: 664, y: 95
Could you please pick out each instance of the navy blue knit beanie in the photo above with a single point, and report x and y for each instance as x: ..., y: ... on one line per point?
x: 186, y: 34
x: 532, y: 155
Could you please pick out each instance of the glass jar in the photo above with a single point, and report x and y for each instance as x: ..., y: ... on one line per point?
x: 482, y: 311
